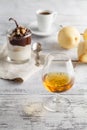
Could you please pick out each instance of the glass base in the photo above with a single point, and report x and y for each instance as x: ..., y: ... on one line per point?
x: 17, y: 61
x: 57, y: 104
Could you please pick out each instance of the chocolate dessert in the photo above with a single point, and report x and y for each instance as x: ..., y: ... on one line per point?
x: 19, y: 44
x: 20, y: 36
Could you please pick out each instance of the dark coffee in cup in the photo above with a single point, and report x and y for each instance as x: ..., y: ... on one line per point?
x: 45, y: 19
x: 45, y: 13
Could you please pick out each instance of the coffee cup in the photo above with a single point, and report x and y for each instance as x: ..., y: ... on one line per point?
x: 45, y: 19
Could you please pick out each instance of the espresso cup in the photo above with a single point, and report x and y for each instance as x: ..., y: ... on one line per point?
x: 45, y: 19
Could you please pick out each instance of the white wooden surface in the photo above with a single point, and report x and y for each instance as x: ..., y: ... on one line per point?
x: 15, y: 98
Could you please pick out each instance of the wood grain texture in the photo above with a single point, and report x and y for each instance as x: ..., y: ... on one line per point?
x: 21, y: 105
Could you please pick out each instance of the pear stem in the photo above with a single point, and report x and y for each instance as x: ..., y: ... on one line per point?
x: 81, y: 33
x: 61, y: 26
x: 14, y: 21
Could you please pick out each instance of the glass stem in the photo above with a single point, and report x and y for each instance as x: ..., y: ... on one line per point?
x: 56, y: 98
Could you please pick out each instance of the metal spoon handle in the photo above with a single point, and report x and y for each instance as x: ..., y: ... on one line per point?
x: 37, y: 59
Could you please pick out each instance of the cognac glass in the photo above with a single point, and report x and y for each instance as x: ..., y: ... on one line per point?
x: 57, y: 77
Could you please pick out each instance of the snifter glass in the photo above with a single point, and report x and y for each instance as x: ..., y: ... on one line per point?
x: 57, y: 77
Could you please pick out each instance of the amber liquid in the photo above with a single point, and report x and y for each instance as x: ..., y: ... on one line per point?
x: 57, y: 82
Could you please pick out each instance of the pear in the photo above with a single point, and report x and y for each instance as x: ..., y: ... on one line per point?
x: 68, y: 37
x: 82, y: 51
x: 85, y: 34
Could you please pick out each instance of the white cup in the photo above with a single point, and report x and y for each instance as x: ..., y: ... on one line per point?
x: 45, y: 19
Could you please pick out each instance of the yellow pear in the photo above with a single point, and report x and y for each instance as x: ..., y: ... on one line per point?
x: 82, y: 52
x: 68, y: 37
x: 85, y: 35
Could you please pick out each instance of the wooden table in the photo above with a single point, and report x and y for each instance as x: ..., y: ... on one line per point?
x: 21, y: 105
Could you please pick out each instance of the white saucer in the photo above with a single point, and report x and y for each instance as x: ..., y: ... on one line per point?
x: 35, y: 30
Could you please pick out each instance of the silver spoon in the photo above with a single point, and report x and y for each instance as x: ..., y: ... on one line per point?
x: 36, y: 49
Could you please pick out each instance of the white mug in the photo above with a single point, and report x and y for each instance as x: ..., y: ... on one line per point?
x: 45, y: 19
